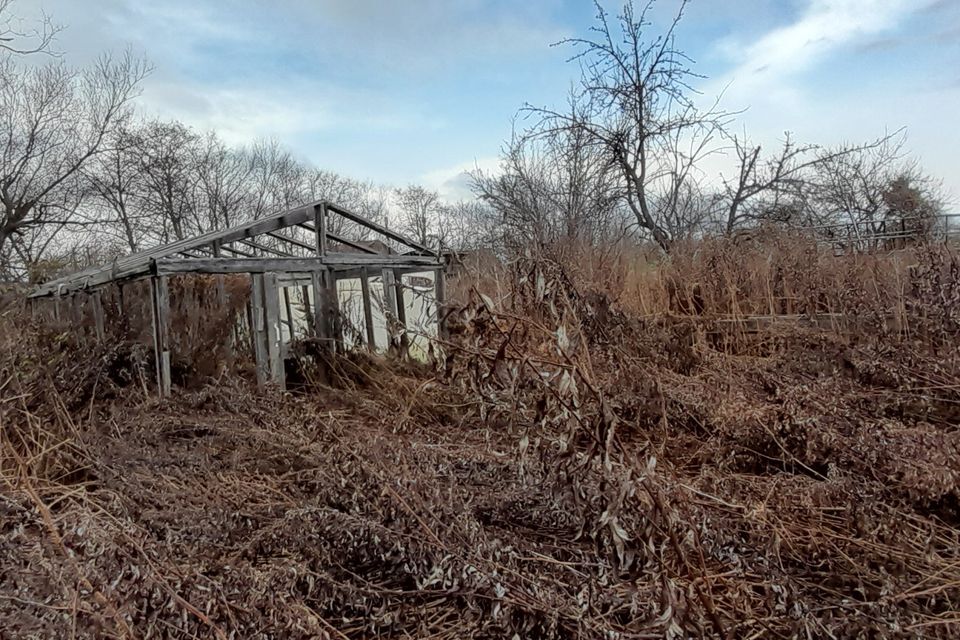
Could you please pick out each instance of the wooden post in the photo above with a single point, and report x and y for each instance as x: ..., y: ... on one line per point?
x: 271, y: 306
x: 98, y: 315
x: 440, y: 291
x: 401, y: 305
x: 367, y: 309
x: 320, y: 227
x: 332, y: 308
x: 319, y: 320
x: 160, y: 295
x: 258, y: 329
x: 389, y: 292
x: 289, y: 310
x: 307, y: 309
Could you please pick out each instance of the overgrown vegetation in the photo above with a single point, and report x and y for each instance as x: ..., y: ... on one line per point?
x: 602, y: 453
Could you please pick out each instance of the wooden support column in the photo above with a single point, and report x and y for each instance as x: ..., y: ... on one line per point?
x: 319, y: 320
x: 160, y: 295
x: 389, y: 293
x: 216, y: 249
x: 271, y: 306
x: 367, y: 310
x: 258, y: 330
x: 332, y: 309
x: 440, y: 290
x: 401, y: 305
x: 288, y: 308
x: 307, y: 309
x: 97, y: 300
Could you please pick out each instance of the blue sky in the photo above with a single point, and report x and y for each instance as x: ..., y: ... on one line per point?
x: 419, y: 90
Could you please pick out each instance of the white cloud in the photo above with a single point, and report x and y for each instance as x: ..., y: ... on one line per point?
x: 453, y: 183
x: 769, y: 63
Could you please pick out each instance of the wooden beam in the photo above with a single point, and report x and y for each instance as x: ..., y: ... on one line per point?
x: 367, y: 309
x: 98, y: 323
x: 307, y: 309
x: 288, y: 308
x: 258, y: 329
x: 320, y: 228
x: 340, y: 239
x: 264, y: 248
x: 319, y: 321
x: 293, y: 241
x: 373, y: 226
x: 160, y: 295
x: 440, y: 292
x: 167, y: 266
x: 271, y: 306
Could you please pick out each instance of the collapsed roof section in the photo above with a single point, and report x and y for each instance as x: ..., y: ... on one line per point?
x: 236, y: 250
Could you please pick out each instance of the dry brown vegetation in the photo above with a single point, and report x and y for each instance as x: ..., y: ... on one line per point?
x: 605, y: 451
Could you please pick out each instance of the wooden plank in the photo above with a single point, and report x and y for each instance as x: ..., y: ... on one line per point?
x: 307, y: 310
x: 169, y: 266
x: 160, y: 295
x: 331, y: 308
x: 292, y: 241
x: 440, y: 291
x: 258, y: 330
x: 373, y: 226
x: 320, y: 228
x: 367, y: 310
x: 389, y: 292
x: 401, y: 305
x: 99, y: 328
x: 288, y: 308
x: 319, y: 320
x: 265, y: 249
x: 342, y: 240
x: 271, y: 307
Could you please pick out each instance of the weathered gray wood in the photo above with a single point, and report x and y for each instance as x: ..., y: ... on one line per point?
x: 169, y: 266
x: 271, y: 306
x: 160, y: 295
x: 389, y: 292
x: 341, y: 240
x: 401, y: 304
x: 307, y: 310
x: 373, y: 226
x: 331, y: 301
x: 319, y: 319
x: 288, y: 308
x: 320, y: 228
x: 258, y: 330
x: 139, y: 264
x: 367, y: 309
x: 292, y: 241
x: 440, y: 291
x: 265, y: 249
x: 98, y: 324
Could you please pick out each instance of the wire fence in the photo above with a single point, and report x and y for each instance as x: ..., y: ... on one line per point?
x: 886, y: 234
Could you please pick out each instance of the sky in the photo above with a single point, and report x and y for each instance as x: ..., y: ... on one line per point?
x: 419, y: 91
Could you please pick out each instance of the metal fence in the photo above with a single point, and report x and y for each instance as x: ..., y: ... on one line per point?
x: 886, y: 234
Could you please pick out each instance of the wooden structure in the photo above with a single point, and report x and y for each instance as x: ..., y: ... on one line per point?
x: 277, y: 254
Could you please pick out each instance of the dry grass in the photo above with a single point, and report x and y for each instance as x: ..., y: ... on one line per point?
x: 596, y: 457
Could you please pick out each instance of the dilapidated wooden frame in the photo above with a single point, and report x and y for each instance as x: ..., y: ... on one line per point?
x: 273, y: 256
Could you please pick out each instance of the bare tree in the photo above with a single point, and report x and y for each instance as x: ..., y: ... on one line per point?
x: 53, y: 120
x: 552, y: 187
x: 224, y: 181
x: 637, y: 107
x: 419, y: 210
x: 20, y: 40
x: 171, y: 197
x: 874, y: 188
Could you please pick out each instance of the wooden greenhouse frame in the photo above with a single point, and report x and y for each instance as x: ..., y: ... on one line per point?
x: 277, y: 261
